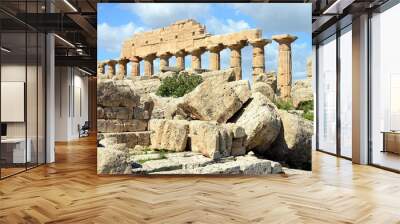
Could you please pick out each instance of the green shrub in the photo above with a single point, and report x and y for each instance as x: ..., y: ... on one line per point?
x: 306, y: 105
x: 284, y: 104
x: 178, y: 85
x: 308, y: 108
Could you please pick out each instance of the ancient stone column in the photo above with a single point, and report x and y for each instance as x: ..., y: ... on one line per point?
x: 164, y: 60
x: 215, y: 50
x: 135, y: 66
x: 258, y: 55
x: 196, y: 57
x: 180, y: 59
x: 284, y: 76
x: 111, y: 68
x: 148, y: 65
x: 121, y: 74
x: 236, y: 59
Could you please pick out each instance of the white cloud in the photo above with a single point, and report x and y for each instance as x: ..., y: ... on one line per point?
x: 159, y: 15
x: 110, y: 38
x: 216, y: 26
x: 284, y: 18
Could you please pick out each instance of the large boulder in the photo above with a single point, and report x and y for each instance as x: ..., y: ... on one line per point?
x: 293, y: 145
x: 302, y: 92
x: 215, y: 101
x: 116, y: 94
x: 171, y: 135
x: 264, y: 89
x: 261, y: 122
x: 112, y: 161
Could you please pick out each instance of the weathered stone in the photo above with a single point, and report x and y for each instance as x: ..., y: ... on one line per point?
x: 144, y: 110
x: 130, y: 139
x: 171, y: 69
x: 261, y: 122
x: 226, y: 75
x: 215, y: 101
x: 121, y: 113
x: 204, y: 138
x: 238, y: 147
x: 111, y: 161
x: 248, y: 165
x: 173, y: 161
x: 100, y: 112
x: 145, y: 87
x: 166, y: 74
x: 116, y: 94
x: 214, y: 140
x: 293, y: 145
x: 302, y: 92
x: 165, y: 107
x: 115, y: 125
x: 169, y: 134
x: 264, y: 89
x: 269, y: 78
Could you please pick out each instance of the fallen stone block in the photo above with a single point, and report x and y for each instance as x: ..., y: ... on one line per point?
x: 215, y: 101
x: 171, y: 135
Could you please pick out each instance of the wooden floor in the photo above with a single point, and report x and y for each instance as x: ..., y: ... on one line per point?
x: 69, y: 191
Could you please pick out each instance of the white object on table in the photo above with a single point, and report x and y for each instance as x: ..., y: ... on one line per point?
x: 19, y: 149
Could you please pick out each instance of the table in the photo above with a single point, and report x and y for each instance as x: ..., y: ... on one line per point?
x: 13, y: 150
x: 391, y: 141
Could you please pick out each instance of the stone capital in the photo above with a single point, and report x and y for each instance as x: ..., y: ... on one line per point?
x: 196, y: 51
x: 284, y: 38
x: 181, y: 53
x: 135, y: 59
x: 237, y: 46
x: 123, y: 61
x: 259, y: 42
x: 215, y: 48
x: 111, y: 62
x: 164, y: 55
x: 149, y: 57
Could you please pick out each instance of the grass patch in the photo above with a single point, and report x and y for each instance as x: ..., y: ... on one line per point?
x: 178, y: 85
x: 161, y: 152
x: 284, y: 104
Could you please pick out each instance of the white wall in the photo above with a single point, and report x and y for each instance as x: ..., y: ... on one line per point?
x: 70, y: 83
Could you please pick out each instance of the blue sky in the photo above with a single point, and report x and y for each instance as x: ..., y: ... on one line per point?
x: 119, y: 21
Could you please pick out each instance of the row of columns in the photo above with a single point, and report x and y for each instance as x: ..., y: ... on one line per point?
x: 284, y: 75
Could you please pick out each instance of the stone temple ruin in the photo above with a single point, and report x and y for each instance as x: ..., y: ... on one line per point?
x: 222, y: 126
x: 189, y: 37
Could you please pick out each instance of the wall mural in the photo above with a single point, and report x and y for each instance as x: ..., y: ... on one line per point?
x: 178, y: 98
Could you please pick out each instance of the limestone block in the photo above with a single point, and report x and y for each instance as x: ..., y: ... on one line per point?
x: 116, y: 94
x: 302, y: 92
x: 171, y: 135
x: 121, y: 113
x: 100, y: 112
x: 264, y: 89
x: 130, y: 139
x: 111, y: 161
x: 261, y: 122
x: 215, y: 101
x: 204, y: 138
x: 144, y: 110
x: 115, y: 125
